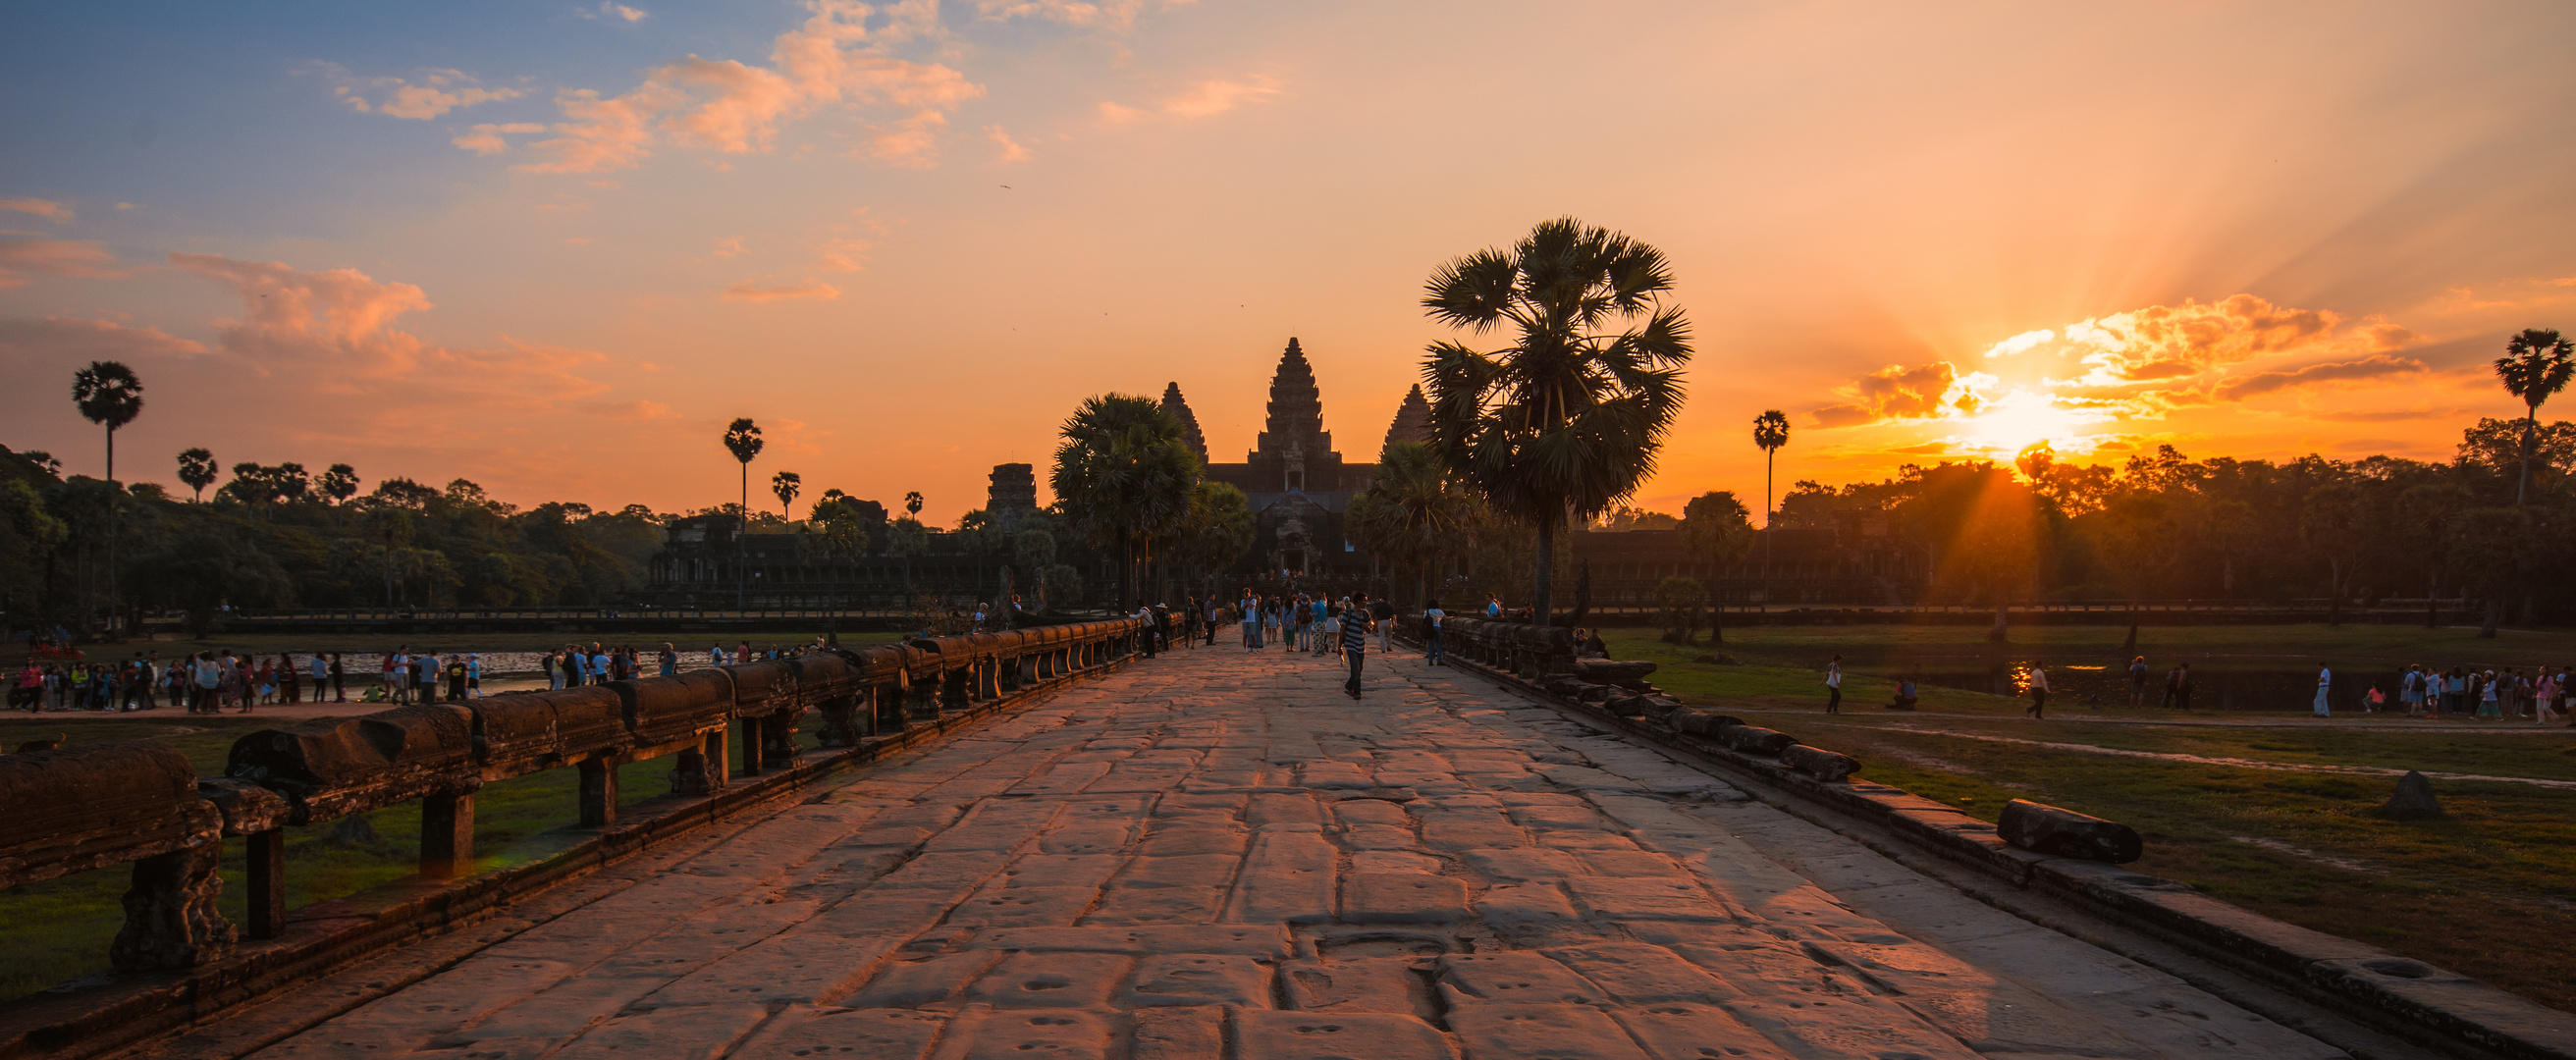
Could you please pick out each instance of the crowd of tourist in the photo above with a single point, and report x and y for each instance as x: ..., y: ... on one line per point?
x: 208, y: 682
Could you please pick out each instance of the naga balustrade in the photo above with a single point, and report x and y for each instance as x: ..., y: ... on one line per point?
x: 138, y: 801
x: 1512, y: 647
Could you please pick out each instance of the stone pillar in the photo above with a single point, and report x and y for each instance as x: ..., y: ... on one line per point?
x: 988, y: 677
x: 446, y: 836
x: 754, y: 749
x: 953, y: 686
x: 885, y: 704
x: 170, y: 916
x: 267, y: 856
x: 598, y: 792
x: 703, y: 771
x: 921, y: 700
x: 1007, y: 676
x: 842, y: 725
x: 778, y: 739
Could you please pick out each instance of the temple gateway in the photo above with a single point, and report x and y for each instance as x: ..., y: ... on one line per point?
x: 1299, y: 484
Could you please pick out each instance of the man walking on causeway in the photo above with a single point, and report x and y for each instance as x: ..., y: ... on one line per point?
x: 1355, y: 631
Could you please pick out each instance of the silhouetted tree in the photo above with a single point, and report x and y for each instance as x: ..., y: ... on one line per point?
x: 109, y: 394
x: 2536, y: 364
x: 197, y: 470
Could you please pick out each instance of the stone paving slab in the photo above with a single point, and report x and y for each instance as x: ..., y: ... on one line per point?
x: 1215, y: 855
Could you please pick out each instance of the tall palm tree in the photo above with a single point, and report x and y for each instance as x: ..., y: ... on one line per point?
x: 2536, y: 364
x: 1566, y: 420
x: 1717, y: 530
x: 1124, y: 473
x: 197, y: 469
x: 110, y: 394
x: 1771, y: 434
x: 786, y: 484
x: 742, y: 438
x: 1411, y: 513
x: 912, y: 504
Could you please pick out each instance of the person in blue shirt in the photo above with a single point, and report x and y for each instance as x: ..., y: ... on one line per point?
x: 1355, y: 631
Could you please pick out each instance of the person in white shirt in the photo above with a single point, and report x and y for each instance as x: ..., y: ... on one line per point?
x: 2038, y: 707
x: 1834, y: 686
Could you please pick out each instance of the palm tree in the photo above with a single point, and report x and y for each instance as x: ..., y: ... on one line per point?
x: 912, y: 504
x: 1219, y: 529
x: 1124, y: 473
x: 197, y: 469
x: 110, y: 394
x: 786, y: 484
x: 1411, y: 514
x: 1771, y: 434
x: 2536, y: 364
x: 1567, y: 420
x: 742, y: 438
x: 1717, y: 530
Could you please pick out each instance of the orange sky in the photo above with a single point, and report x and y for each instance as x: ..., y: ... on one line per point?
x: 557, y: 258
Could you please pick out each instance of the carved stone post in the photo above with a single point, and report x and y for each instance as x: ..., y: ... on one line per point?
x: 267, y: 883
x: 988, y: 677
x: 703, y: 771
x: 953, y: 686
x: 446, y: 835
x: 778, y: 739
x: 598, y: 792
x: 753, y: 748
x: 170, y: 916
x: 921, y: 700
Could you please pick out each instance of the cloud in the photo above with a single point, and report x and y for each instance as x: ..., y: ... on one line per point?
x: 435, y: 93
x: 485, y: 139
x: 609, y: 9
x: 77, y: 339
x: 733, y: 107
x: 2392, y: 416
x: 1012, y: 151
x: 338, y: 319
x: 2239, y: 388
x: 1205, y: 99
x: 59, y: 257
x: 2160, y: 343
x: 757, y: 292
x: 1896, y: 392
x: 1110, y: 14
x: 45, y: 208
x: 730, y: 247
x: 909, y: 142
x: 844, y: 254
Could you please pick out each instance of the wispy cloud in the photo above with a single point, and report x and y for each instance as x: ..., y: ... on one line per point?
x: 835, y: 57
x: 1897, y: 392
x: 2238, y: 388
x: 730, y: 247
x: 844, y: 254
x: 1107, y: 14
x: 20, y: 256
x: 1205, y: 99
x: 756, y: 291
x: 45, y: 208
x: 486, y: 138
x: 1012, y: 150
x: 611, y: 10
x: 430, y: 94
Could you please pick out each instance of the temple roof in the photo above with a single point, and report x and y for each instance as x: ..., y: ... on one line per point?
x: 1179, y: 407
x: 1412, y: 421
x: 1296, y: 409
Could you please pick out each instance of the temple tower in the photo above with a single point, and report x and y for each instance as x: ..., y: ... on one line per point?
x: 1011, y: 494
x: 1179, y: 407
x: 1412, y: 422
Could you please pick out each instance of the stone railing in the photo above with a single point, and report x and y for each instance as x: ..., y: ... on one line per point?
x: 139, y: 802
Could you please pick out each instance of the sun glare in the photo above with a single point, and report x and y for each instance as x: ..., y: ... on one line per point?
x: 2020, y: 419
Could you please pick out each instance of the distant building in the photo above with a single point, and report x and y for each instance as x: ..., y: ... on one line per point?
x: 1299, y: 484
x: 1012, y: 495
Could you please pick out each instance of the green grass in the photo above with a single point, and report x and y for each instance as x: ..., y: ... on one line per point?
x: 59, y: 930
x: 2484, y: 892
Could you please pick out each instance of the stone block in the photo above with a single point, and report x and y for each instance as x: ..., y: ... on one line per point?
x: 1753, y: 739
x: 1198, y: 979
x: 1402, y: 898
x: 1640, y: 974
x: 923, y: 983
x: 1257, y: 939
x: 1515, y: 977
x: 1692, y: 721
x: 1654, y: 898
x: 2066, y: 833
x: 1194, y: 1032
x: 1819, y: 763
x: 1288, y: 878
x: 1359, y: 984
x: 1272, y: 1035
x: 1690, y: 1032
x: 803, y: 1033
x: 1051, y: 980
x: 1056, y: 1034
x: 1554, y: 1031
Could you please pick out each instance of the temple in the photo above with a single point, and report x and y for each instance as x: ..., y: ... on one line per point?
x: 1299, y: 484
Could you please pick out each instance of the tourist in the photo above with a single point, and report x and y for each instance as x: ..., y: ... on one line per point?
x: 30, y: 689
x: 2455, y: 692
x: 1431, y: 647
x: 1906, y: 694
x: 2325, y: 682
x: 669, y: 660
x: 1834, y: 685
x: 290, y: 681
x: 458, y: 673
x: 2410, y: 690
x: 2545, y: 697
x: 1382, y: 615
x: 1355, y: 631
x: 2372, y: 702
x: 1493, y: 607
x: 424, y: 676
x: 339, y: 680
x: 2487, y: 697
x: 395, y: 675
x: 2138, y: 681
x: 321, y: 674
x: 2038, y: 684
x: 210, y: 679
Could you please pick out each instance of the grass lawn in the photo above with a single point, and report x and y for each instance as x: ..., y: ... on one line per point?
x: 2485, y: 892
x: 59, y: 929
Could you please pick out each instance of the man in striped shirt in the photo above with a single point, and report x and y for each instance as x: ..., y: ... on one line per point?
x: 1355, y: 630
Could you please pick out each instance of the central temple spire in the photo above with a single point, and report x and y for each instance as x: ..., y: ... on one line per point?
x: 1296, y: 409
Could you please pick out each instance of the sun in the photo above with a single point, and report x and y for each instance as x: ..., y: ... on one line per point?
x: 2022, y: 418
